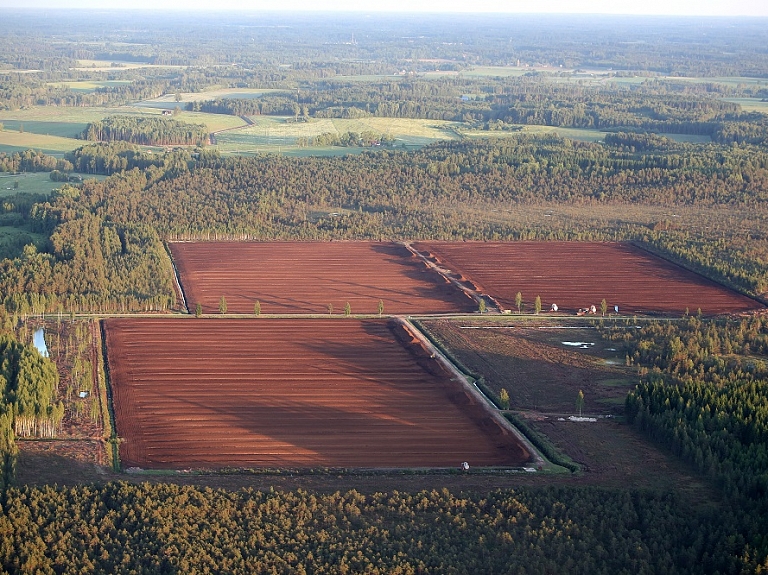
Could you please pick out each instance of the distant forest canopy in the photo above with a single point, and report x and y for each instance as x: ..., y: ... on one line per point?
x: 350, y: 44
x: 653, y: 107
x: 590, y: 72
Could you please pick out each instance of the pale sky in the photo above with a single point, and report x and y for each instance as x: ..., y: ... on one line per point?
x: 644, y: 7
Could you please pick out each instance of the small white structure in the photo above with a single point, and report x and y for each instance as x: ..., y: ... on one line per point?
x: 554, y: 307
x: 592, y: 309
x: 465, y: 466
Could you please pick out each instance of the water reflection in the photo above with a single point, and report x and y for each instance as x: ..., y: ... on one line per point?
x: 39, y: 342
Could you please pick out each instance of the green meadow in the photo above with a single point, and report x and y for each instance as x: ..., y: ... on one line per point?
x: 750, y: 104
x: 30, y: 183
x: 54, y: 145
x: 271, y: 133
x: 54, y: 129
x: 214, y: 93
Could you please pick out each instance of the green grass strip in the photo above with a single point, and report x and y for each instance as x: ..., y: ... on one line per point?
x: 110, y: 431
x: 542, y: 443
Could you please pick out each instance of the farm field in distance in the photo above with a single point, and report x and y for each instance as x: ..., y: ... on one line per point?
x: 305, y: 277
x: 576, y: 275
x: 231, y: 393
x: 55, y: 129
x: 167, y: 100
x: 268, y: 133
x: 11, y: 142
x: 32, y: 183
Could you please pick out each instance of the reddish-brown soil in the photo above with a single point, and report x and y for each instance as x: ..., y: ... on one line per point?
x: 211, y: 393
x: 305, y: 277
x: 578, y: 274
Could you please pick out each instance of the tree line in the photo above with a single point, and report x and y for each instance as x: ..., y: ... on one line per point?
x: 121, y: 527
x: 364, y: 139
x: 276, y: 105
x: 28, y: 407
x: 147, y: 131
x: 703, y: 393
x: 32, y: 161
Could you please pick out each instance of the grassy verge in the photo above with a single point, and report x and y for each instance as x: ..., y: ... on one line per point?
x: 542, y: 443
x: 111, y: 440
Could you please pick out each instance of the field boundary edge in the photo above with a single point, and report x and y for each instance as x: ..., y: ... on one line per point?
x: 491, y: 409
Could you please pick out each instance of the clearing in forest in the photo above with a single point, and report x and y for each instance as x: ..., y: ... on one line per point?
x: 577, y: 275
x: 541, y: 364
x: 307, y: 277
x: 282, y: 393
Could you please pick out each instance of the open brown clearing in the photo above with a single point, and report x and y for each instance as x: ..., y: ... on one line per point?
x: 577, y: 275
x: 305, y: 277
x: 291, y: 393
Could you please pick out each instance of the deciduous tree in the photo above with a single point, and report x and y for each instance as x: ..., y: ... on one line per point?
x: 504, y: 398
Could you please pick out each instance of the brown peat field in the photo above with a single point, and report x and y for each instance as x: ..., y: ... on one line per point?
x: 305, y: 277
x: 301, y: 394
x: 292, y: 393
x: 577, y: 275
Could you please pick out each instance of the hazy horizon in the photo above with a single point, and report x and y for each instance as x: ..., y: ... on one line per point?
x: 746, y: 8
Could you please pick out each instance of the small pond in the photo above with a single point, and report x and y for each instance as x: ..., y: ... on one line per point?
x: 39, y: 341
